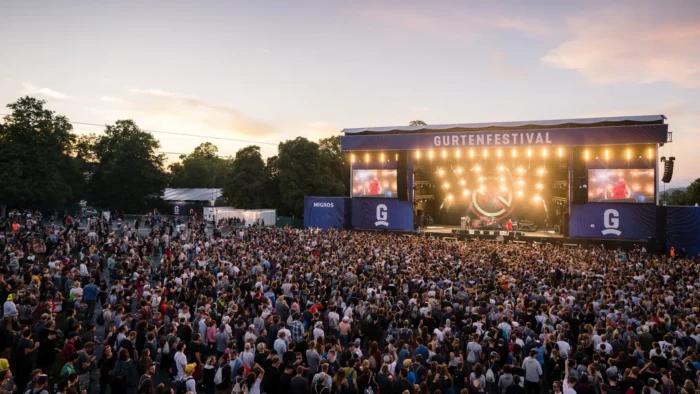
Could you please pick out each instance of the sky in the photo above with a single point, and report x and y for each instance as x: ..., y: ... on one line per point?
x: 274, y: 70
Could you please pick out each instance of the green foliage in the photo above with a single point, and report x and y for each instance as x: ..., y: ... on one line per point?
x: 302, y: 171
x: 202, y: 168
x: 128, y: 171
x: 245, y: 182
x: 417, y: 122
x: 36, y: 169
x: 689, y: 196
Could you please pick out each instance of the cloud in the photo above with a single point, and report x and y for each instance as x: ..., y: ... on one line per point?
x: 453, y: 25
x: 114, y: 100
x: 32, y: 89
x: 642, y: 47
x: 167, y: 106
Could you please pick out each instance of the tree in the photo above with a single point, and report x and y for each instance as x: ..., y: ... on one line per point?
x: 271, y: 189
x: 245, y: 182
x: 202, y: 168
x: 335, y: 160
x: 302, y: 173
x: 128, y: 171
x: 36, y: 169
x: 417, y: 122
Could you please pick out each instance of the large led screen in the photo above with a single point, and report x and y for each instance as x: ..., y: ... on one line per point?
x: 621, y: 185
x: 374, y: 183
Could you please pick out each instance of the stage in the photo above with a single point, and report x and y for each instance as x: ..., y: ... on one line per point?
x: 442, y: 230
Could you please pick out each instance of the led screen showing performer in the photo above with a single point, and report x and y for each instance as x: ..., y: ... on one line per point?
x: 621, y: 185
x: 374, y: 183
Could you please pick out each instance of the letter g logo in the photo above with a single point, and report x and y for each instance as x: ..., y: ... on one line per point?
x: 611, y: 222
x: 382, y: 216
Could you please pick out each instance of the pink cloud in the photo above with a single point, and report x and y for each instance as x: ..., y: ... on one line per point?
x: 627, y: 45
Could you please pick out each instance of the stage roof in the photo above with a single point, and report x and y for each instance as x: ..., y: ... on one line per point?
x: 191, y: 194
x: 531, y: 124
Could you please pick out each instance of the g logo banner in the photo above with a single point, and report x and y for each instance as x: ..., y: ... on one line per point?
x: 611, y: 222
x: 382, y: 215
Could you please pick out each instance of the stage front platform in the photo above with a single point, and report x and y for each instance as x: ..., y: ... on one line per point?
x: 439, y: 230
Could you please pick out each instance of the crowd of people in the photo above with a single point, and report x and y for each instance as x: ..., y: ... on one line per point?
x: 173, y: 308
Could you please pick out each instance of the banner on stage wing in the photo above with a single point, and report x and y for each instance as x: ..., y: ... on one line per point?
x: 619, y: 221
x: 656, y: 133
x: 325, y: 212
x: 382, y: 214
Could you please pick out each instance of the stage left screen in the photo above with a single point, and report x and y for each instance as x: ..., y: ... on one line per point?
x: 374, y: 183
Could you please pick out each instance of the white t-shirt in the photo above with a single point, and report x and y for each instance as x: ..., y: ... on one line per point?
x: 180, y: 364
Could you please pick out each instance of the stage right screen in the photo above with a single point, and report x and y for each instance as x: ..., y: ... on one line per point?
x: 621, y: 185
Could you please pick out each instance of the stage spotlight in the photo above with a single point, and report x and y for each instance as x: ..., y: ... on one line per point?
x: 521, y: 170
x: 544, y: 152
x: 520, y: 193
x: 536, y: 198
x: 607, y: 154
x: 481, y: 179
x: 650, y: 153
x: 500, y: 168
x: 560, y: 152
x: 502, y: 179
x: 444, y: 153
x: 458, y: 153
x: 498, y: 153
x: 529, y: 152
x: 446, y: 185
x: 471, y: 153
x: 462, y: 182
x: 540, y: 172
x: 515, y: 152
x: 503, y: 188
x: 521, y: 182
x: 477, y: 169
x: 629, y: 154
x: 366, y: 157
x: 417, y: 154
x: 441, y: 172
x: 430, y: 154
x: 465, y: 192
x: 539, y: 186
x: 352, y: 158
x: 459, y: 170
x: 482, y: 188
x: 585, y: 155
x: 450, y: 197
x: 486, y: 153
x: 381, y: 157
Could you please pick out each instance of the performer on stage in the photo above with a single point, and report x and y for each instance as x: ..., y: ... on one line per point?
x: 373, y: 187
x: 509, y: 225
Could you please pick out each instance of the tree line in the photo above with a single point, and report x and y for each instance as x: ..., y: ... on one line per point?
x: 45, y: 165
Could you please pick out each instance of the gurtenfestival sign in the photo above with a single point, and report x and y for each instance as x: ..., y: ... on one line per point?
x: 644, y: 134
x: 484, y: 139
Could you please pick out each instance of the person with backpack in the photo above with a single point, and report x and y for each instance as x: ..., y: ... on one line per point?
x: 222, y: 378
x: 124, y: 374
x: 187, y: 383
x: 145, y: 385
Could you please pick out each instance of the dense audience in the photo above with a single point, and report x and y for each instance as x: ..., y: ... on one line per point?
x: 164, y: 306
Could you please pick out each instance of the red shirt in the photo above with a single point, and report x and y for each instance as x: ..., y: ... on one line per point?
x: 619, y: 190
x: 374, y: 187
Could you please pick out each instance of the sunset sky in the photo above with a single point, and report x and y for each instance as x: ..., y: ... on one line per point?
x: 273, y: 70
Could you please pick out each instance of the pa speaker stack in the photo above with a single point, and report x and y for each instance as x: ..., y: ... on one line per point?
x: 668, y: 168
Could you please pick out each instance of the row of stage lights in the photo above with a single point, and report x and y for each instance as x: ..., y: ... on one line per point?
x: 529, y: 152
x: 520, y: 183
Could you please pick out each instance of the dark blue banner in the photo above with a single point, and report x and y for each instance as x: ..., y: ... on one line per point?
x: 325, y: 212
x: 382, y: 214
x: 619, y: 221
x: 683, y: 230
x: 656, y: 133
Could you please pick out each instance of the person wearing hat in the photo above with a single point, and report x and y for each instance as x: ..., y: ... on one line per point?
x: 9, y: 309
x: 188, y: 380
